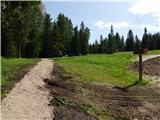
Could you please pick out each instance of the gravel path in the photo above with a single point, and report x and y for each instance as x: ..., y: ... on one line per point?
x: 146, y: 57
x: 29, y: 99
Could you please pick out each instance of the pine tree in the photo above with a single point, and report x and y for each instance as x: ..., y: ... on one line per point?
x: 57, y: 46
x: 16, y: 26
x: 84, y: 34
x: 86, y: 40
x: 75, y: 45
x: 137, y: 43
x: 33, y: 46
x: 117, y: 42
x: 145, y: 39
x: 96, y: 46
x: 46, y: 48
x: 122, y: 44
x: 101, y: 49
x: 130, y: 41
x: 105, y: 44
x: 110, y: 48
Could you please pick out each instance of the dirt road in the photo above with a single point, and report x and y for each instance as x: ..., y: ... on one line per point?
x: 29, y: 99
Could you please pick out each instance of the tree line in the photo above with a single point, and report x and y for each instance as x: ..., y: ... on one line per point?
x: 61, y: 38
x: 115, y: 42
x: 29, y: 32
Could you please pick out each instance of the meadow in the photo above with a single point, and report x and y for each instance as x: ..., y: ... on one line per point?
x: 109, y: 69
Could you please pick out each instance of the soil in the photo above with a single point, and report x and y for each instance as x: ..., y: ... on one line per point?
x: 29, y: 99
x: 151, y: 67
x: 77, y: 100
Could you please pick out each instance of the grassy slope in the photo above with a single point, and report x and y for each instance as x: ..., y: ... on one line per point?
x: 9, y: 67
x: 103, y: 68
x: 154, y: 52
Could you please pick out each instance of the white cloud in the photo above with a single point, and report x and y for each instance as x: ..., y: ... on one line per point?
x: 101, y: 24
x: 146, y: 7
x: 124, y: 24
x: 149, y: 27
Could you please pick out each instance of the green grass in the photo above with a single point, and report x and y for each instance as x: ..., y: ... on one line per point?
x: 154, y: 52
x: 101, y: 68
x: 9, y: 67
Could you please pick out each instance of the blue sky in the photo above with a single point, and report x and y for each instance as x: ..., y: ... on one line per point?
x: 99, y: 16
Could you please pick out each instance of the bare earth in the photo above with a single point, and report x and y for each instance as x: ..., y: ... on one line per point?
x: 29, y: 99
x: 77, y: 100
x: 151, y: 68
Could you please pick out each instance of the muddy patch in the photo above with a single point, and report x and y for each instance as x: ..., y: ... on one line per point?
x: 75, y: 100
x: 151, y: 67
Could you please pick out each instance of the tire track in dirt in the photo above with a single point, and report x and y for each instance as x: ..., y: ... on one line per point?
x: 29, y: 99
x: 71, y: 97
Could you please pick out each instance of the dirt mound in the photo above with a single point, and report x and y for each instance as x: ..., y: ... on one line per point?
x: 150, y: 67
x: 73, y: 99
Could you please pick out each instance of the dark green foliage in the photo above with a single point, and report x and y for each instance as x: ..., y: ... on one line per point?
x: 145, y: 42
x: 150, y: 41
x: 154, y: 41
x: 46, y: 46
x: 66, y: 29
x: 20, y: 20
x: 101, y: 45
x: 111, y: 39
x: 33, y: 46
x: 115, y: 43
x: 75, y: 44
x: 122, y: 44
x: 29, y: 32
x: 130, y: 41
x: 61, y: 39
x: 84, y: 34
x: 56, y: 45
x: 137, y: 43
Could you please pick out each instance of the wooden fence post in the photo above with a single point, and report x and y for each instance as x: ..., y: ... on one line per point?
x: 140, y: 65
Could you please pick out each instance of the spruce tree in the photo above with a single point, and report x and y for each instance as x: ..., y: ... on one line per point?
x: 145, y: 39
x: 130, y: 41
x: 101, y: 44
x: 46, y: 48
x: 137, y: 43
x: 122, y: 44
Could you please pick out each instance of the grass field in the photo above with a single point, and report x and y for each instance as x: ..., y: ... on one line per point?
x: 154, y: 52
x: 102, y: 68
x: 99, y: 69
x: 11, y: 68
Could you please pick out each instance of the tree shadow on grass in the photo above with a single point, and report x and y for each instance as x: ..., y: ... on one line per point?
x: 125, y: 88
